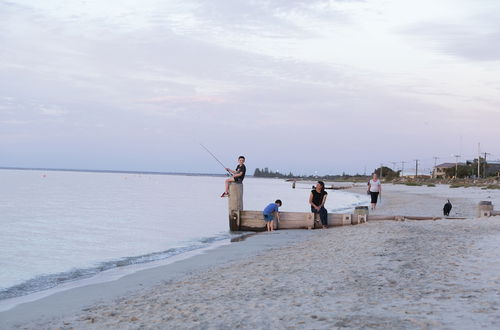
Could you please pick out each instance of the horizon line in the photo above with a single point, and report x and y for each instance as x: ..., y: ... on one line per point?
x: 104, y: 171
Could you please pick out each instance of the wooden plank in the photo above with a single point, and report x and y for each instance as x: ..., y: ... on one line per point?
x: 295, y: 220
x: 254, y: 220
x: 251, y: 213
x: 288, y: 220
x: 422, y: 218
x: 337, y: 220
x: 282, y: 214
x: 381, y: 217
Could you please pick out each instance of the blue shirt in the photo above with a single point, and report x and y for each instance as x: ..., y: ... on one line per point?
x: 271, y: 208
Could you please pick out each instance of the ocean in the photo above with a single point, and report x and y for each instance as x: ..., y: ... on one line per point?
x: 59, y: 227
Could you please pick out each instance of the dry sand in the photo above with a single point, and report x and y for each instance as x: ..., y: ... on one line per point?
x: 380, y: 275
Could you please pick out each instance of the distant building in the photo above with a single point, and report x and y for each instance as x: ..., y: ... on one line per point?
x: 421, y: 176
x: 440, y: 170
x: 493, y: 168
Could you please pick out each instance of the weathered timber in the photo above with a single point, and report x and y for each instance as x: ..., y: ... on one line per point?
x: 381, y: 217
x: 338, y: 220
x: 422, y: 218
x: 361, y: 210
x: 254, y: 220
x: 403, y: 218
x: 484, y: 209
x: 235, y: 205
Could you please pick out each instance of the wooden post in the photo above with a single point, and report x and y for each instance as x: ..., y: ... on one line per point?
x: 235, y: 205
x: 484, y: 209
x: 360, y: 214
x: 361, y: 210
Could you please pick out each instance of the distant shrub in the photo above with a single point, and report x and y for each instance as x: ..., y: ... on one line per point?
x: 431, y: 185
x: 413, y: 184
x: 456, y: 185
x: 492, y: 186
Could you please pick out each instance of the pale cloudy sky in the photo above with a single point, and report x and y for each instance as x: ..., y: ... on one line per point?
x: 302, y: 86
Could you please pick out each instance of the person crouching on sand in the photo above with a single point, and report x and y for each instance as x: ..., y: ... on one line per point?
x: 237, y: 176
x: 317, y: 200
x: 374, y: 188
x: 269, y: 212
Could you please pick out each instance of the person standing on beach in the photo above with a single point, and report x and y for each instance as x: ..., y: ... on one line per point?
x: 317, y: 201
x: 236, y: 176
x: 375, y: 189
x: 269, y: 212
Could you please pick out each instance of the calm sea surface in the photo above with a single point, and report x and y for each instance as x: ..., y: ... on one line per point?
x: 62, y: 226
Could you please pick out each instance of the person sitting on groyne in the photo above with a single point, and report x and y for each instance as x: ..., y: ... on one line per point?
x: 317, y: 201
x: 236, y: 176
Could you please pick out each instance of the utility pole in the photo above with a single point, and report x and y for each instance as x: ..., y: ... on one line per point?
x: 456, y: 165
x: 402, y: 167
x: 381, y: 166
x: 435, y: 163
x: 484, y: 169
x: 416, y: 168
x: 478, y: 160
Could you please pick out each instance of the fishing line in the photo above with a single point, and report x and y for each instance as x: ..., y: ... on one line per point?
x: 218, y: 161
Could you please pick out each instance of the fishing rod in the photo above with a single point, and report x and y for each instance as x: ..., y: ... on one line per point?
x: 218, y: 161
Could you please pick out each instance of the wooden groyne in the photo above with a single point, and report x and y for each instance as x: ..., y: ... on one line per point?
x: 244, y: 220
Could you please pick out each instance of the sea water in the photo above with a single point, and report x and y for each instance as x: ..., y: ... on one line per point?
x: 60, y: 226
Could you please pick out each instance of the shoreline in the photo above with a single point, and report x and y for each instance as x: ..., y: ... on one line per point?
x: 410, y: 275
x: 73, y: 300
x: 208, y: 285
x: 47, y: 284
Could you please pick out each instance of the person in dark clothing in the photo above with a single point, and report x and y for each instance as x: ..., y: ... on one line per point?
x: 317, y: 200
x: 447, y: 208
x: 236, y: 176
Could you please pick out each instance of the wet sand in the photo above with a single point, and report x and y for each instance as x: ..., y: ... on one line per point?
x: 399, y: 275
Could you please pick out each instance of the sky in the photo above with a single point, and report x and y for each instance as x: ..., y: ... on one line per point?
x: 309, y: 87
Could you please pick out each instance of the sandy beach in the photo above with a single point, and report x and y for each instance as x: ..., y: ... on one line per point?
x: 380, y: 275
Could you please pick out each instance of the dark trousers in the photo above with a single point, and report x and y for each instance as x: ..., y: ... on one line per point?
x: 323, y: 215
x: 374, y: 196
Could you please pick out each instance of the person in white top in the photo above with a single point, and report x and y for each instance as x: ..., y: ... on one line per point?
x: 375, y: 189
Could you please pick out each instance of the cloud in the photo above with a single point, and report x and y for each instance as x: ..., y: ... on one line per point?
x: 13, y: 122
x: 52, y: 111
x: 183, y: 100
x: 243, y: 75
x: 476, y: 40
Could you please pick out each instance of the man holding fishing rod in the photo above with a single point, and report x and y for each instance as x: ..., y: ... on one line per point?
x: 236, y: 176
